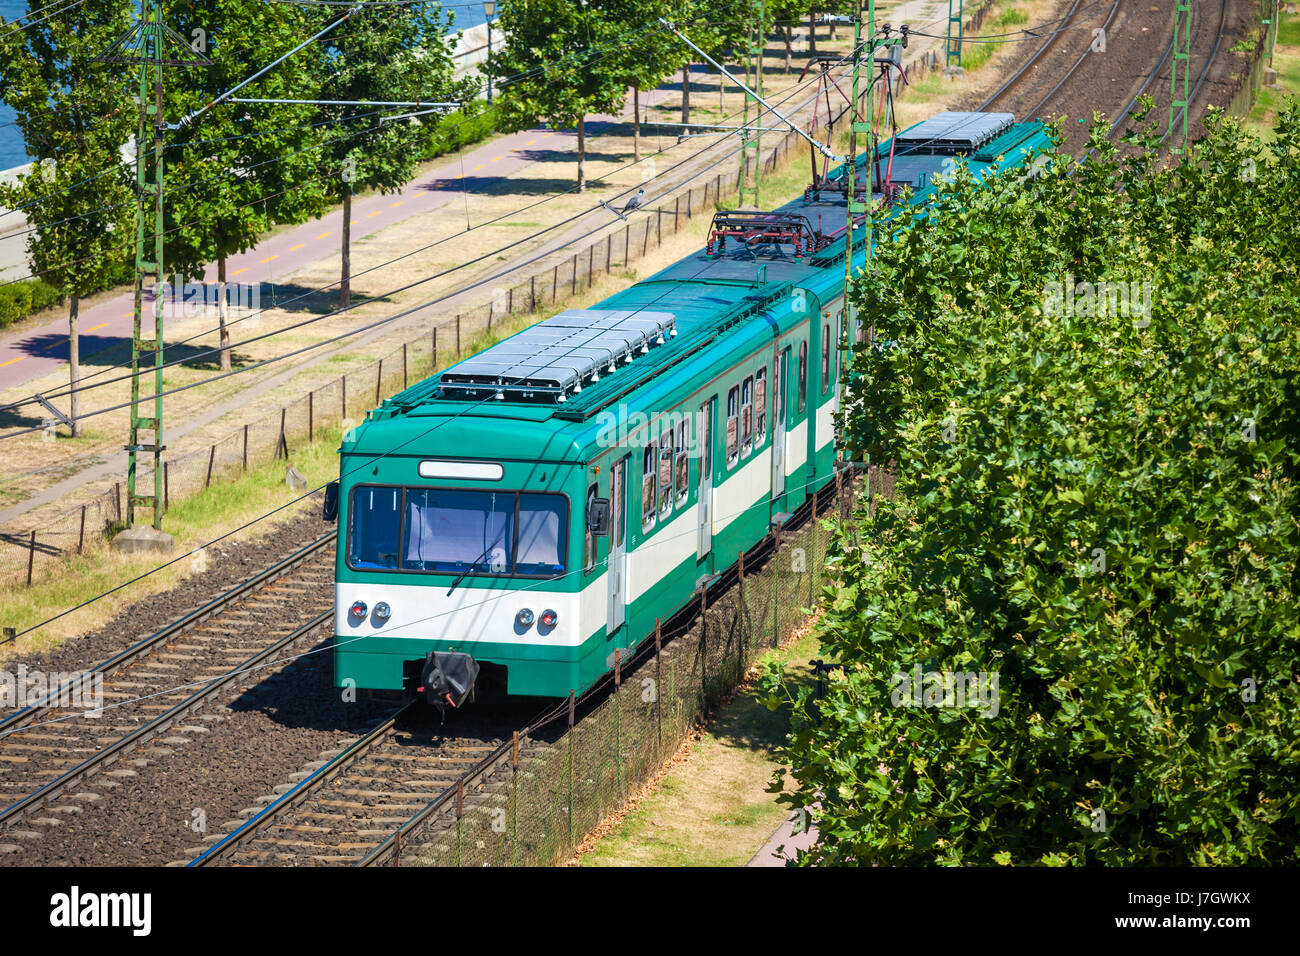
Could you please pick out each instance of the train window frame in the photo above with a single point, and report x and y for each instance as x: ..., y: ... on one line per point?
x: 666, y: 454
x: 682, y: 467
x: 591, y: 543
x: 733, y: 425
x: 650, y: 475
x: 563, y: 532
x: 746, y: 416
x: 826, y: 355
x: 760, y: 407
x: 803, y: 376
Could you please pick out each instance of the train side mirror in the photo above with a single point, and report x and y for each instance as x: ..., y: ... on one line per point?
x: 330, y: 510
x: 598, y: 516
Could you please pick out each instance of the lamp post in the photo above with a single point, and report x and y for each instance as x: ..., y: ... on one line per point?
x: 489, y: 9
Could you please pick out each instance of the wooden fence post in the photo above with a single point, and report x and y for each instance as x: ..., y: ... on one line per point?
x: 212, y: 455
x: 379, y: 378
x: 245, y: 446
x: 81, y: 537
x: 457, y: 335
x: 311, y: 420
x: 31, y: 558
x: 403, y: 365
x: 167, y: 485
x: 434, y: 366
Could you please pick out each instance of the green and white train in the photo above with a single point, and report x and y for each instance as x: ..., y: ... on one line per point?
x: 518, y: 518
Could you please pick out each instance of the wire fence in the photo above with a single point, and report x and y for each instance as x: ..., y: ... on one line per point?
x: 33, y: 556
x: 533, y: 800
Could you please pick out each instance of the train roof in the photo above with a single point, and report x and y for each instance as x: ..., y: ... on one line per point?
x: 570, y: 366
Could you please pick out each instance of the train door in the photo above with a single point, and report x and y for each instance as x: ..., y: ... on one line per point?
x: 780, y: 374
x: 708, y: 417
x: 617, y: 546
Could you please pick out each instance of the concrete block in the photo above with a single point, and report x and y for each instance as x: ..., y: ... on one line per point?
x: 142, y: 539
x: 294, y: 479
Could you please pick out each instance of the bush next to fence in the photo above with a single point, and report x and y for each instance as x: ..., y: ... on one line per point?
x: 1072, y: 637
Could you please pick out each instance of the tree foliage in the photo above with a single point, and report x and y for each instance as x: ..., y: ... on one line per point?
x: 75, y: 116
x: 1100, y: 508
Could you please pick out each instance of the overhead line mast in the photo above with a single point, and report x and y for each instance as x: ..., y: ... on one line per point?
x: 151, y: 45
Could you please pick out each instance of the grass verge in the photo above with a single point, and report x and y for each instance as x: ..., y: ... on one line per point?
x: 709, y: 806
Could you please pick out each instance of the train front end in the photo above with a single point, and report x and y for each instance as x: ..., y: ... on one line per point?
x: 457, y: 543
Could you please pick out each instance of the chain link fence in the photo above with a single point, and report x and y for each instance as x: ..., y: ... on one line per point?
x: 532, y: 801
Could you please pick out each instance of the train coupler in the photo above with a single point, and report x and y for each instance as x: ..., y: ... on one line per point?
x: 447, y: 679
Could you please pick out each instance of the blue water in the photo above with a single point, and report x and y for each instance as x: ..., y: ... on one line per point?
x: 12, y: 152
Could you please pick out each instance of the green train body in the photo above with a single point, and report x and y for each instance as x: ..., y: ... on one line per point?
x: 466, y: 501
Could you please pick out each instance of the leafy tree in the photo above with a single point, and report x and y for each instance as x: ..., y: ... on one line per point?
x: 650, y: 55
x: 385, y: 53
x: 558, y: 64
x: 239, y: 168
x: 76, y: 117
x: 1096, y: 502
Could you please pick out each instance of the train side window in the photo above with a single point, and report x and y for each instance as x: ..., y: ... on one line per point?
x: 683, y: 461
x: 803, y: 376
x: 649, y: 470
x: 589, y: 561
x: 760, y: 406
x: 747, y: 416
x: 733, y: 424
x: 666, y: 474
x: 826, y: 357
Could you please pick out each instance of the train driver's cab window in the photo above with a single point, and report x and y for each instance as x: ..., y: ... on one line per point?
x: 826, y: 357
x: 733, y: 425
x: 747, y: 416
x: 683, y: 461
x: 376, y: 518
x: 803, y: 376
x: 649, y: 471
x: 589, y: 559
x: 666, y: 473
x: 760, y: 406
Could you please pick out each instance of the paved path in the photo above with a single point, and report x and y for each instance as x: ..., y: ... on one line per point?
x: 785, y: 838
x: 32, y: 353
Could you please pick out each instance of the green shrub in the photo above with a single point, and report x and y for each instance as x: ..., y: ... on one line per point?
x: 471, y: 124
x: 20, y: 299
x: 1100, y: 510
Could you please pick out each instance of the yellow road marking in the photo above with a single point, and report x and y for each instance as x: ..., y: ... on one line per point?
x: 52, y: 344
x: 356, y: 222
x: 498, y: 159
x: 96, y: 328
x: 297, y: 247
x: 480, y: 166
x: 268, y: 259
x: 11, y: 361
x: 396, y: 204
x: 371, y: 215
x: 325, y: 235
x: 240, y: 271
x: 531, y: 141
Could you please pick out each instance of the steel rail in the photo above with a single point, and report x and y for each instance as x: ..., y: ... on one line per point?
x: 179, y: 626
x: 160, y: 723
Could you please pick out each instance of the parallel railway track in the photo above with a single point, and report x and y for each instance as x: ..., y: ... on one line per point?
x: 150, y: 688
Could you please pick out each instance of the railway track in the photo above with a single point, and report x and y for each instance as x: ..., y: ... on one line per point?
x: 1214, y: 39
x: 349, y: 803
x: 151, y: 688
x: 1024, y: 83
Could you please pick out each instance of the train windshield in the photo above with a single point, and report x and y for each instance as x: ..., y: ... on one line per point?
x: 456, y: 531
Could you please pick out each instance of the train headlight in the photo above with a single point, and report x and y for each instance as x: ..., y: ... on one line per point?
x: 382, y: 611
x: 358, y: 609
x: 549, y: 618
x: 524, y: 618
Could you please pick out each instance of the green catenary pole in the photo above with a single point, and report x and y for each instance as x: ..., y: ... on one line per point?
x: 757, y: 44
x: 150, y: 46
x: 1181, y: 72
x: 953, y: 49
